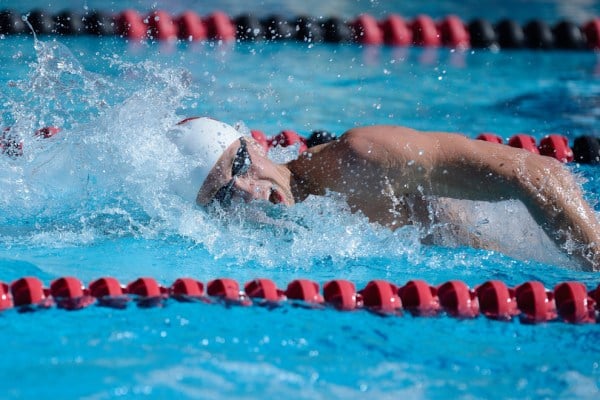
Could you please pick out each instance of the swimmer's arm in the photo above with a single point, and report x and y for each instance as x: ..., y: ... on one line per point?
x: 544, y: 185
x: 556, y: 202
x: 451, y: 165
x: 430, y: 163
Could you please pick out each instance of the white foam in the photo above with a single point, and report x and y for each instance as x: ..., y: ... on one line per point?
x: 113, y: 154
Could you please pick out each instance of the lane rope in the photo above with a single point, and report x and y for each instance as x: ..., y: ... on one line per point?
x: 392, y: 30
x: 530, y: 302
x: 585, y: 148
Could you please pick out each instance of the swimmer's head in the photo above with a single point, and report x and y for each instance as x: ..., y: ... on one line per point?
x: 205, y: 140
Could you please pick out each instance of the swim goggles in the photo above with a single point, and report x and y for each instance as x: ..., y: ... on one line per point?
x: 241, y: 164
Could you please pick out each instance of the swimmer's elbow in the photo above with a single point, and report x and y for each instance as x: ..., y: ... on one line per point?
x: 354, y: 138
x: 356, y: 144
x: 370, y: 145
x: 539, y: 173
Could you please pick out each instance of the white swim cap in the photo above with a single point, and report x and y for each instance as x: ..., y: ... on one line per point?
x: 204, y: 140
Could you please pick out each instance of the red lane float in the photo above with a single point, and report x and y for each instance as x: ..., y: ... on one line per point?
x: 261, y: 138
x: 496, y: 300
x: 381, y: 296
x: 419, y: 298
x: 457, y: 300
x: 342, y: 295
x: 264, y: 289
x: 592, y: 33
x: 228, y: 291
x: 108, y: 292
x: 187, y: 289
x: 220, y: 27
x: 573, y: 304
x: 225, y: 288
x: 531, y: 302
x: 524, y: 142
x: 103, y: 287
x: 147, y: 292
x: 556, y: 146
x: 6, y: 300
x: 13, y: 145
x: 424, y: 32
x: 489, y: 137
x: 145, y: 287
x: 161, y: 26
x: 367, y: 30
x: 130, y: 24
x: 396, y: 31
x: 535, y: 302
x: 287, y: 138
x: 29, y: 293
x: 190, y: 27
x: 454, y: 33
x: 70, y: 294
x: 305, y: 290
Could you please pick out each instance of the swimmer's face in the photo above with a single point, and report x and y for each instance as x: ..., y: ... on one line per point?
x: 245, y: 172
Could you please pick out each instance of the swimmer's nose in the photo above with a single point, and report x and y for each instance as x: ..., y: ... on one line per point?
x: 248, y: 188
x: 242, y: 190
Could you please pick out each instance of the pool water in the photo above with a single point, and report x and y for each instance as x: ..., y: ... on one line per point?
x: 96, y: 200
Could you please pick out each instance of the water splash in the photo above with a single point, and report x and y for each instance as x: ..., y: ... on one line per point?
x: 320, y: 228
x: 111, y: 149
x: 109, y: 173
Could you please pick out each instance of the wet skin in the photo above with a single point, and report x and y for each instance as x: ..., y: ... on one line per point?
x: 387, y: 172
x: 264, y: 179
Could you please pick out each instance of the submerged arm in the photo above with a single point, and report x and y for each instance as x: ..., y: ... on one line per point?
x: 478, y: 170
x: 556, y: 202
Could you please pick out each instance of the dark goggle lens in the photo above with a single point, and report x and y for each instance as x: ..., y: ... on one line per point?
x: 224, y: 194
x: 241, y: 164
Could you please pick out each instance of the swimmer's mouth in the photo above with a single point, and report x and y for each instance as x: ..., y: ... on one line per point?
x: 275, y: 197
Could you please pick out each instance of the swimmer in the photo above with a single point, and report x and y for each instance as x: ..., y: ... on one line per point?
x: 391, y: 174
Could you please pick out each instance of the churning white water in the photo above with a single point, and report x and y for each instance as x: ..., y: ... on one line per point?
x: 109, y: 172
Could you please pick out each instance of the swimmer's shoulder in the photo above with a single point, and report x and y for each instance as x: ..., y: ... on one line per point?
x: 380, y: 145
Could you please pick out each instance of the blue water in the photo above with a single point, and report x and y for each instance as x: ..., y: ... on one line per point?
x: 96, y: 201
